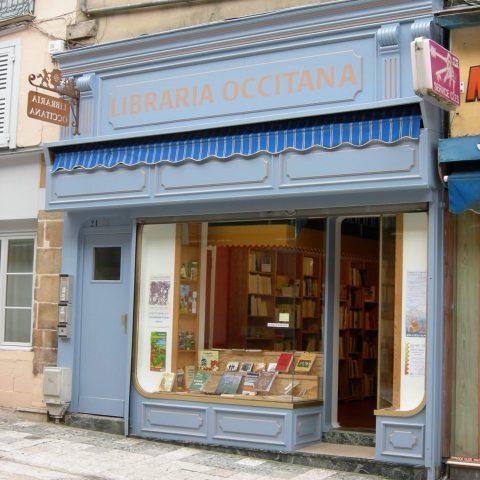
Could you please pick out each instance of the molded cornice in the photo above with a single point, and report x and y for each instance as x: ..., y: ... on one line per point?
x: 271, y: 28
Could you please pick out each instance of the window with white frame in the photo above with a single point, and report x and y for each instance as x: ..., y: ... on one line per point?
x: 9, y: 74
x: 17, y: 263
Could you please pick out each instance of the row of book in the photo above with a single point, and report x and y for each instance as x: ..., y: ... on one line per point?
x: 259, y: 262
x: 209, y: 361
x: 350, y: 318
x: 310, y: 287
x: 259, y: 306
x: 349, y: 344
x: 357, y: 276
x: 259, y: 284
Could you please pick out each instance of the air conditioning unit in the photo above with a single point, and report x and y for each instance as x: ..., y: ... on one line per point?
x: 57, y: 390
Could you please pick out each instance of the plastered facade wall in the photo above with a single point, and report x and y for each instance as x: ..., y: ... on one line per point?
x: 51, y: 19
x: 465, y: 44
x: 170, y: 17
x: 22, y: 191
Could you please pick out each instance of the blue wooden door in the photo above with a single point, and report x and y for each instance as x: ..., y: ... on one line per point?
x: 103, y: 336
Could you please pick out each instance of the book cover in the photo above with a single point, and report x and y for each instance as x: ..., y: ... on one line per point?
x: 246, y: 366
x: 167, y: 379
x: 189, y: 375
x: 250, y: 383
x: 212, y: 382
x: 271, y: 367
x: 229, y: 383
x: 258, y: 367
x: 180, y: 379
x: 199, y: 381
x: 265, y: 381
x: 284, y: 362
x: 305, y: 362
x: 158, y: 351
x: 185, y: 298
x: 208, y: 360
x: 232, y: 366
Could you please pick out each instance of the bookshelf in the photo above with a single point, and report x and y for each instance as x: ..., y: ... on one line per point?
x: 186, y: 310
x: 284, y: 300
x: 358, y: 329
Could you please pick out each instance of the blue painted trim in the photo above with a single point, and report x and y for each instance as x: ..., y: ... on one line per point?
x: 435, y: 337
x: 235, y: 33
x: 331, y: 302
x: 459, y: 149
x: 131, y: 313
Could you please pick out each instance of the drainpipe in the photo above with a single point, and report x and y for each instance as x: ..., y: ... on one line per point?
x: 124, y: 8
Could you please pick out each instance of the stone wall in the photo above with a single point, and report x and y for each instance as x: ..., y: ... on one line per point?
x: 49, y: 255
x: 21, y: 379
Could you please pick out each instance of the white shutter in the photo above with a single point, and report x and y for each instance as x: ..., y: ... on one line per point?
x: 6, y: 80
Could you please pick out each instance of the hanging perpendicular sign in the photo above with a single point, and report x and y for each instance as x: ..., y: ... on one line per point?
x: 48, y: 108
x: 52, y: 109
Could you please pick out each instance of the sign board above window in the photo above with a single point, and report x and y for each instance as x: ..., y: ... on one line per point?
x: 436, y: 73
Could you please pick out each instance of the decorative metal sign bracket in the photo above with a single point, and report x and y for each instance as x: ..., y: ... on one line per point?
x: 53, y: 82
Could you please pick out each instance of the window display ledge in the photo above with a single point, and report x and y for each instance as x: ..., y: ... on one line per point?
x: 270, y: 401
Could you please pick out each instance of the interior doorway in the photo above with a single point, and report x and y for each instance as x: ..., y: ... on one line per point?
x: 358, y: 323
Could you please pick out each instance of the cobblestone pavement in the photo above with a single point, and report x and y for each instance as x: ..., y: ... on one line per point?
x: 44, y: 451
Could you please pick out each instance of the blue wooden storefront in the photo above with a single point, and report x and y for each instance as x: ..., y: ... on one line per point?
x: 322, y: 64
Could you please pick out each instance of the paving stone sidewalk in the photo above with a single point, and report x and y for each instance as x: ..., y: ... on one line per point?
x: 32, y: 450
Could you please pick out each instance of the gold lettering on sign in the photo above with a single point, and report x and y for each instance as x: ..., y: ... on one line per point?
x: 230, y: 90
x: 305, y: 81
x: 281, y: 84
x: 206, y: 95
x: 330, y: 80
x: 348, y: 75
x: 261, y: 89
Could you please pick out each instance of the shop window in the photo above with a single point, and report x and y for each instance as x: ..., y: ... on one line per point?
x: 17, y: 279
x: 232, y: 310
x: 402, y: 312
x: 107, y: 263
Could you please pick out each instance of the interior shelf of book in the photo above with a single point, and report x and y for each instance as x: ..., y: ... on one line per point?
x: 284, y: 299
x: 187, y: 311
x: 358, y: 329
x: 251, y: 375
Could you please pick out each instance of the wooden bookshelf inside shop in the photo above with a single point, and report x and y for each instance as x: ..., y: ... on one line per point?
x: 281, y: 304
x: 358, y: 329
x: 186, y: 309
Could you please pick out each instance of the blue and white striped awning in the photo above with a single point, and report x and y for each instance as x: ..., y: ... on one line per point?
x: 299, y: 137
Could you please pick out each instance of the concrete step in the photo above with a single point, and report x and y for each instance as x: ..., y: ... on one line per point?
x: 95, y: 422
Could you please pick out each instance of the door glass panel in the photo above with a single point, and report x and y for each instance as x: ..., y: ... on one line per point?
x: 18, y: 325
x: 107, y: 261
x: 20, y: 255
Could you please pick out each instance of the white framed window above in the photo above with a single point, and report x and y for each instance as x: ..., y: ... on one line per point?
x: 17, y: 276
x: 9, y: 79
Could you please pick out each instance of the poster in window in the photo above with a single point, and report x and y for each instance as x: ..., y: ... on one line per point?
x: 158, y: 351
x: 416, y: 304
x: 159, y: 300
x: 415, y: 359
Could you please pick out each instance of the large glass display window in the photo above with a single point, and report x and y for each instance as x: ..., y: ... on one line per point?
x: 231, y: 311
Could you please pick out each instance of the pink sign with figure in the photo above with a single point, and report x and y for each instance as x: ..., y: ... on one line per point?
x: 436, y: 73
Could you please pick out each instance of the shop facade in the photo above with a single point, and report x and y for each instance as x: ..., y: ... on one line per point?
x: 257, y: 202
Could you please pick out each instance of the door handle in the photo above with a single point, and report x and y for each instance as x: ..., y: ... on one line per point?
x: 124, y: 320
